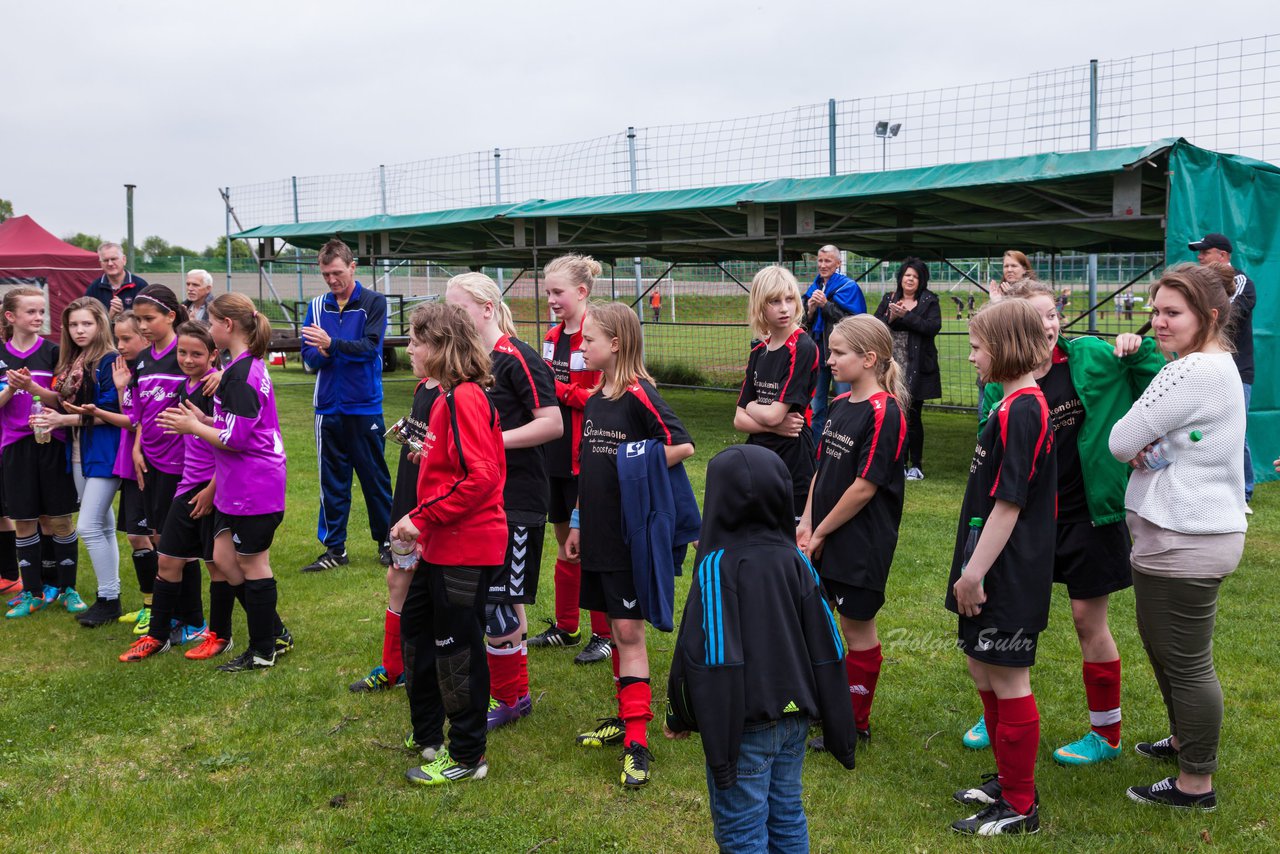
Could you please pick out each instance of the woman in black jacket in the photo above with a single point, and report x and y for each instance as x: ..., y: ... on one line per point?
x: 914, y: 317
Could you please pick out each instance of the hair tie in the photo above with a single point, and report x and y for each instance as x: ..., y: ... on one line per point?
x: 255, y: 314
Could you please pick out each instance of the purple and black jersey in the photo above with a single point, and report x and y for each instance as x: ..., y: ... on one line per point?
x: 157, y: 381
x: 251, y: 469
x: 40, y: 359
x: 197, y: 460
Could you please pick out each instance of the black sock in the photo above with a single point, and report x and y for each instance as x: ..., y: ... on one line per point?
x: 9, y: 556
x: 48, y: 561
x: 222, y: 601
x: 145, y: 565
x: 260, y: 609
x: 164, y: 601
x: 28, y: 549
x: 66, y: 551
x: 191, y: 607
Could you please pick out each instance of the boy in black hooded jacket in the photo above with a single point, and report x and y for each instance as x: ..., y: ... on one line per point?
x: 758, y: 655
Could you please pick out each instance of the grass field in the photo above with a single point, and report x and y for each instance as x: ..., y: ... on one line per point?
x: 172, y: 755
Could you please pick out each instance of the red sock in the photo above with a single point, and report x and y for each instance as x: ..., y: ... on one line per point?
x: 392, y: 656
x: 862, y: 666
x: 522, y: 675
x: 1102, y: 689
x: 568, y: 583
x: 600, y: 625
x: 635, y: 707
x: 504, y: 674
x: 1019, y: 735
x: 991, y: 712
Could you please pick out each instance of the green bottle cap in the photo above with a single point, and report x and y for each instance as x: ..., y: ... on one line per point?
x: 1196, y: 435
x: 975, y: 522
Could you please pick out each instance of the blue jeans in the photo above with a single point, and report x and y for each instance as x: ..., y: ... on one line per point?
x: 825, y: 386
x: 1248, y: 457
x: 762, y: 811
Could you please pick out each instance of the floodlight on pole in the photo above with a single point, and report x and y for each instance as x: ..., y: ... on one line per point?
x: 886, y: 131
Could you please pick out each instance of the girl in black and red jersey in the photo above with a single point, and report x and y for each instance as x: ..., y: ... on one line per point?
x: 461, y: 530
x: 569, y: 280
x: 525, y: 396
x: 625, y: 407
x: 773, y: 406
x: 1002, y: 567
x: 850, y: 525
x: 408, y: 433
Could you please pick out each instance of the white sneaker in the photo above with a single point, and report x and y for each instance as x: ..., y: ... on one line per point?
x: 914, y: 473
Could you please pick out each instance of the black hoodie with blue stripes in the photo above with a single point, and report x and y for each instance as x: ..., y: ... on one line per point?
x: 757, y: 641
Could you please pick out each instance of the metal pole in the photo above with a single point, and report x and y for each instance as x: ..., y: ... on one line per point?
x: 226, y: 200
x: 297, y: 255
x: 497, y: 196
x: 831, y: 136
x: 636, y: 263
x: 128, y: 208
x: 382, y: 191
x: 1093, y: 146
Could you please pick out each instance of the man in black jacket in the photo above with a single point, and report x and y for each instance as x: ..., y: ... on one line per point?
x: 758, y: 656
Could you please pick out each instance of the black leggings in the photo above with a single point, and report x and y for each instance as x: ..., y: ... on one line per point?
x: 915, y: 435
x: 446, y: 672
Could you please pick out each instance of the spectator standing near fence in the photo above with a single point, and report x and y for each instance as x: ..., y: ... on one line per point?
x: 342, y: 338
x: 116, y: 287
x: 199, y: 286
x: 655, y: 303
x: 831, y: 296
x: 1216, y: 249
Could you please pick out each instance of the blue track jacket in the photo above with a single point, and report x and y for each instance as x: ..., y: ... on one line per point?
x: 844, y: 297
x: 349, y: 379
x: 659, y: 520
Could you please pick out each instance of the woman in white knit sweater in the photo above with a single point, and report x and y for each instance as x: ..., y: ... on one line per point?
x: 1187, y: 518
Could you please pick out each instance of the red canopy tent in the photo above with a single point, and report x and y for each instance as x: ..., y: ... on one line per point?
x: 29, y: 255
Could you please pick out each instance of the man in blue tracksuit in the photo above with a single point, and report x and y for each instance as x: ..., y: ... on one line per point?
x: 831, y: 297
x: 342, y: 342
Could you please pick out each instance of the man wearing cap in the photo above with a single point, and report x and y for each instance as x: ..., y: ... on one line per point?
x: 116, y: 287
x: 1215, y: 248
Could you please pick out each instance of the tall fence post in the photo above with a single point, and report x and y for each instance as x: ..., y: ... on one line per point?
x: 128, y: 213
x: 497, y: 199
x: 637, y: 263
x: 382, y: 191
x: 297, y: 255
x: 831, y: 136
x: 226, y: 201
x: 1093, y: 146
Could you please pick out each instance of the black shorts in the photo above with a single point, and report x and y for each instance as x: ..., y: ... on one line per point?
x: 1091, y: 561
x: 564, y: 497
x: 37, y: 481
x: 251, y: 535
x: 516, y: 583
x: 994, y: 646
x: 131, y: 519
x: 159, y: 488
x: 614, y: 593
x: 183, y: 537
x: 855, y: 603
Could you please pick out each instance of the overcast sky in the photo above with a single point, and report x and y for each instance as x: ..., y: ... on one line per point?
x: 181, y: 98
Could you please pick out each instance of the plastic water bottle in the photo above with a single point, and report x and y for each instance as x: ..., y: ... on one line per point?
x: 41, y: 433
x: 404, y: 553
x: 971, y: 542
x: 1161, y: 453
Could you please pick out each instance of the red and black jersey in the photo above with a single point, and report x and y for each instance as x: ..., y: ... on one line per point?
x: 1014, y: 461
x: 862, y: 439
x: 639, y: 414
x: 573, y: 386
x: 1067, y: 415
x: 522, y: 383
x: 459, y: 516
x: 787, y: 373
x: 405, y: 496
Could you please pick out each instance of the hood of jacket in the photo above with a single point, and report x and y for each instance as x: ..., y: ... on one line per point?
x: 748, y: 496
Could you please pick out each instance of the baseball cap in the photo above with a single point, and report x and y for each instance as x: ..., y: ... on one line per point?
x: 1212, y: 240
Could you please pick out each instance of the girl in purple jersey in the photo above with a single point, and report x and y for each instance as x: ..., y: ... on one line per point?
x: 38, y: 488
x: 249, y: 474
x: 157, y: 455
x: 90, y: 413
x: 131, y: 518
